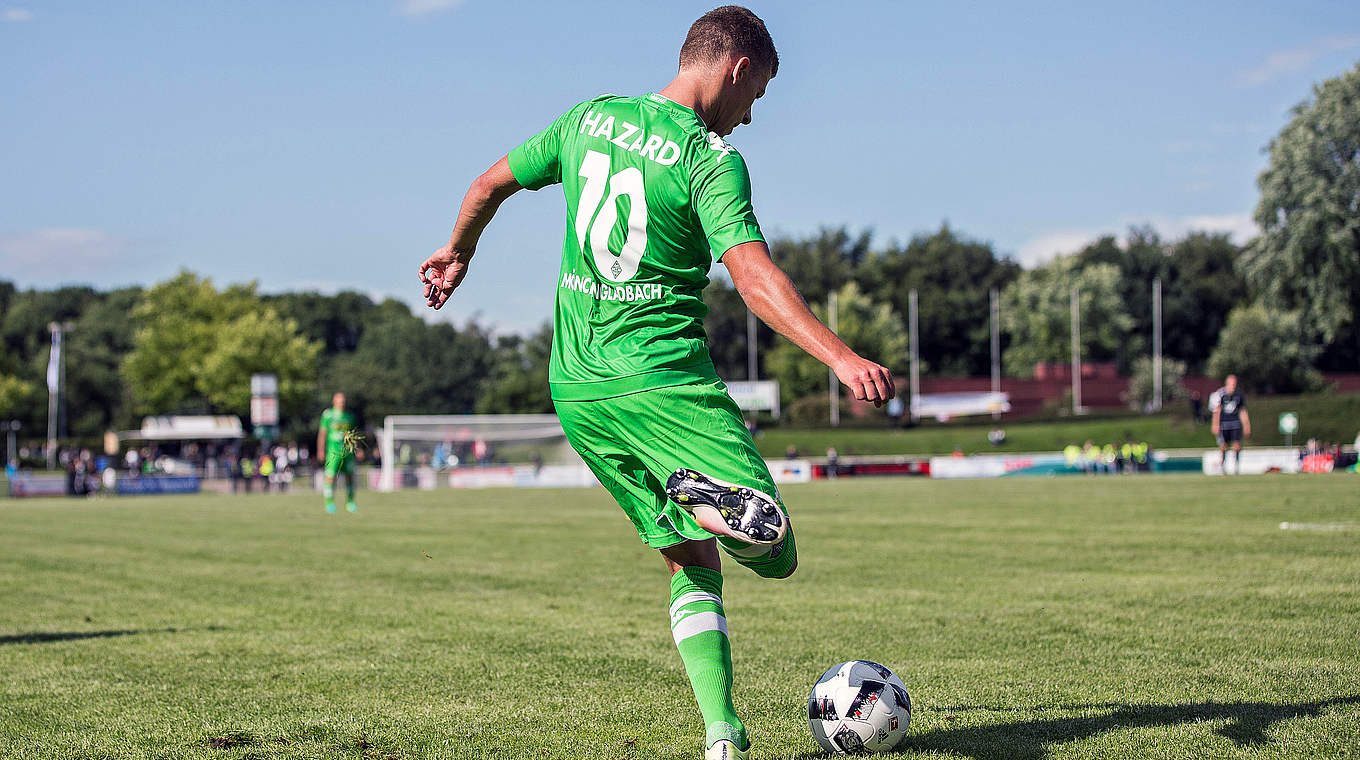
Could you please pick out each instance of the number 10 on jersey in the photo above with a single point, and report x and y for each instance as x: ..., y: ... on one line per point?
x: 600, y: 185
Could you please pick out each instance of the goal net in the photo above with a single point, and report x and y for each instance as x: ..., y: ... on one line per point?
x: 418, y: 450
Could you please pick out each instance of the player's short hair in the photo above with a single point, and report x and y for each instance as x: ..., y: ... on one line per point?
x: 729, y: 30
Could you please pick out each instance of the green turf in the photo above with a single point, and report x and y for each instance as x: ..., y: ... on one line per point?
x: 1151, y: 617
x: 1326, y: 416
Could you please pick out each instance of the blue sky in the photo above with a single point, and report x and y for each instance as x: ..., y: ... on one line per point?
x: 326, y: 145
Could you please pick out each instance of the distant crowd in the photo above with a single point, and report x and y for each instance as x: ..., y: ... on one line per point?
x: 1126, y: 456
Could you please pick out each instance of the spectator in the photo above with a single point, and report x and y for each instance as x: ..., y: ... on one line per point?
x: 1072, y: 453
x: 1196, y: 407
x: 247, y: 468
x: 997, y: 436
x: 791, y: 451
x: 266, y: 471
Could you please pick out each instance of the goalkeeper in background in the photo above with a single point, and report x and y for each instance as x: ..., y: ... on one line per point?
x: 337, y: 424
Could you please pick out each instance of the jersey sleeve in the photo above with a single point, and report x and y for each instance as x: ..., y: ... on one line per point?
x: 722, y: 199
x: 537, y: 162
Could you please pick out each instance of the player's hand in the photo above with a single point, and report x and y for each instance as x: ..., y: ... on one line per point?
x: 442, y: 273
x: 866, y: 380
x: 1213, y: 429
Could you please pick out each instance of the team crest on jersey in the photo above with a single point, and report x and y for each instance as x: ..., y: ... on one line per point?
x: 717, y: 143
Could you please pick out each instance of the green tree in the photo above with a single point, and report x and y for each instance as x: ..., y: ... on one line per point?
x: 195, y: 348
x: 1142, y: 391
x: 725, y: 326
x: 1141, y: 259
x: 404, y: 365
x: 258, y: 342
x: 821, y: 263
x: 1268, y: 351
x: 518, y: 380
x: 1308, y: 257
x: 96, y: 395
x: 1036, y: 313
x: 953, y: 277
x: 15, y: 396
x: 872, y: 329
x: 1201, y: 287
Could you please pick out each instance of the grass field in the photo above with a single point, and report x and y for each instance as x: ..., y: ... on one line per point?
x: 1162, y: 617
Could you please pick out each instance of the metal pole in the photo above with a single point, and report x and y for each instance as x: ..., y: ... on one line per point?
x: 996, y: 346
x: 750, y: 345
x: 55, y: 329
x: 1076, y: 352
x: 1157, y: 344
x: 833, y: 315
x: 11, y: 428
x: 387, y: 480
x: 915, y: 353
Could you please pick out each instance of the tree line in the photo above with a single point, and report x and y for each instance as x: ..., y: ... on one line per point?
x: 1277, y: 311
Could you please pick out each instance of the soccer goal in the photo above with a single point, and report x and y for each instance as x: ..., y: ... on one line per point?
x: 417, y: 448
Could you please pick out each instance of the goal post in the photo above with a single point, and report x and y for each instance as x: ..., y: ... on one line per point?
x: 436, y: 442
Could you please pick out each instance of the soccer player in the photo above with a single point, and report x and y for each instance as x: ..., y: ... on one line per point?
x: 1231, y: 422
x: 654, y: 196
x: 336, y: 424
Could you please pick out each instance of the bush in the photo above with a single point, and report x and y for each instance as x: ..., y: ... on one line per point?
x: 1267, y: 351
x: 1140, y: 392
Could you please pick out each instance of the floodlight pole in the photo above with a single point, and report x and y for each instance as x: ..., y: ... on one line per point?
x: 750, y: 345
x: 832, y: 312
x: 914, y: 355
x: 996, y: 347
x: 56, y: 379
x: 1076, y: 351
x: 11, y: 428
x: 1157, y: 344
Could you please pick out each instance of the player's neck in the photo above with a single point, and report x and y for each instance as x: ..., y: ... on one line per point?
x: 689, y: 92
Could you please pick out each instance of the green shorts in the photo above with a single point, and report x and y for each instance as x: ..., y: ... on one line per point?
x: 633, y: 443
x: 339, y: 463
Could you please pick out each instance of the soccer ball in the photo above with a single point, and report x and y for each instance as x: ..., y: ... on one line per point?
x: 859, y: 706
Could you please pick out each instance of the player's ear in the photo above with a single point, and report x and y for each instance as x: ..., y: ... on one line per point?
x: 740, y: 69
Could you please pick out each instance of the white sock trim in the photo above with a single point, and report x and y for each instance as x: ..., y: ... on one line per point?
x: 697, y: 623
x: 694, y: 596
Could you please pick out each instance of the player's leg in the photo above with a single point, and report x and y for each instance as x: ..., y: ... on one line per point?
x: 718, y: 447
x: 600, y: 432
x: 332, y: 465
x: 347, y: 467
x: 1237, y: 456
x: 699, y: 628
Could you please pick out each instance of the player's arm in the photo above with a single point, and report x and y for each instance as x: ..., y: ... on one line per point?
x: 769, y: 292
x: 1246, y: 423
x: 445, y: 269
x: 321, y: 440
x: 1214, y: 427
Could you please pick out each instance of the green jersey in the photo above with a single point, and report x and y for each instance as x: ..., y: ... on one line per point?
x: 653, y: 199
x: 336, y: 425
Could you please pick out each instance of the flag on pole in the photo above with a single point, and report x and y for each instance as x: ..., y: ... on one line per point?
x: 54, y: 363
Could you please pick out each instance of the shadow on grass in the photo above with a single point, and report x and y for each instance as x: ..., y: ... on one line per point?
x: 1247, y: 724
x: 47, y: 637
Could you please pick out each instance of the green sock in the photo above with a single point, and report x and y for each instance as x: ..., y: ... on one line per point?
x: 699, y: 628
x: 349, y: 489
